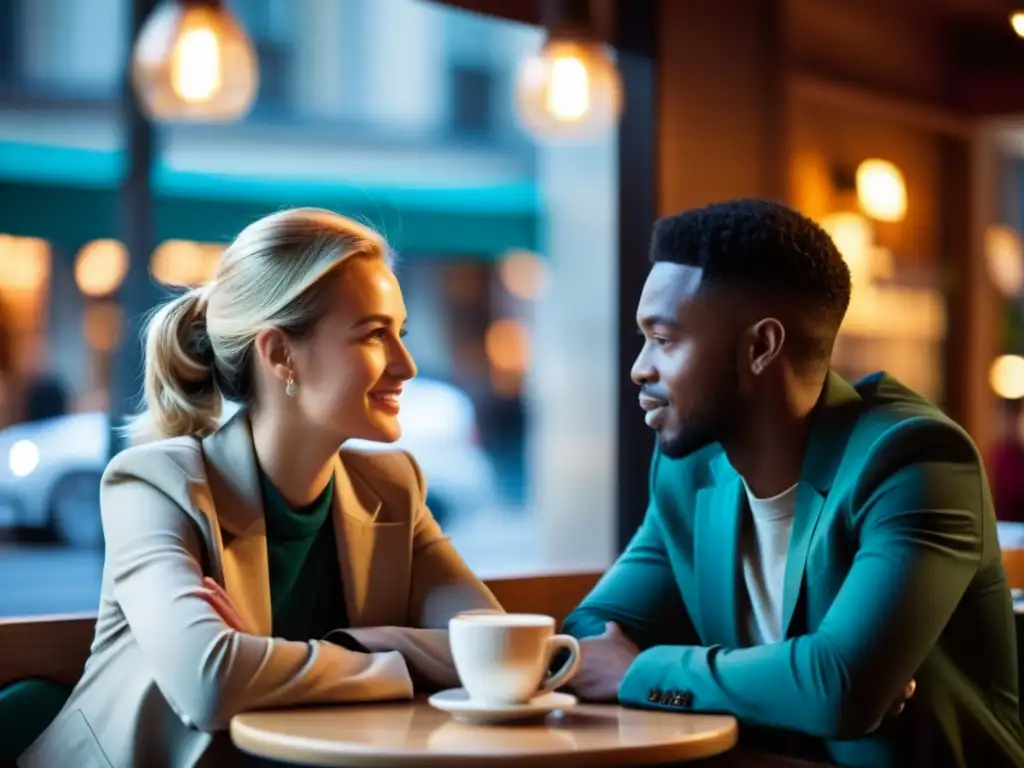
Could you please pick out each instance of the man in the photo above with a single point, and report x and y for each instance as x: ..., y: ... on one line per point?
x: 810, y: 547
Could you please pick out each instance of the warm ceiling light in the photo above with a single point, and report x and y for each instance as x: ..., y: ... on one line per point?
x: 1006, y: 377
x: 1017, y: 22
x: 1004, y: 255
x: 570, y: 89
x: 193, y: 62
x: 881, y: 190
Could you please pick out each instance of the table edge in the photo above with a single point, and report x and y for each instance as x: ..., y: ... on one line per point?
x: 309, y: 751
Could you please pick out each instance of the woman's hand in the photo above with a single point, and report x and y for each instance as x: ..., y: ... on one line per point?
x: 214, y: 594
x: 426, y: 652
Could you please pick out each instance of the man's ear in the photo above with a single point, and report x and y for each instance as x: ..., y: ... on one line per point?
x: 767, y: 337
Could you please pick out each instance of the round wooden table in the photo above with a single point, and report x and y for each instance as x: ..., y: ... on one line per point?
x: 415, y: 734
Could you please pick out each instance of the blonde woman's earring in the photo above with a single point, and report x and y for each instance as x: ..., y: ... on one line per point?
x: 291, y: 388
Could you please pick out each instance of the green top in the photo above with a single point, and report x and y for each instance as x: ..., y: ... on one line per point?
x: 306, y: 597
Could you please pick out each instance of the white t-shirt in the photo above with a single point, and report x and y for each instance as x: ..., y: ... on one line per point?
x: 763, y: 546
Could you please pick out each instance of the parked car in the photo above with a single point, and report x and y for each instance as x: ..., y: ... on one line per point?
x: 50, y: 470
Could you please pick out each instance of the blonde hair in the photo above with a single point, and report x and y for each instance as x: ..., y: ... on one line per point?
x: 199, y: 346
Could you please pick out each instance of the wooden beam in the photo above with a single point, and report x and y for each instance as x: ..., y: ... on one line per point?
x: 987, y: 58
x: 809, y: 87
x: 991, y: 91
x: 987, y: 65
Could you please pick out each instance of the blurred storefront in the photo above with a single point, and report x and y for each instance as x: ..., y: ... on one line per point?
x: 399, y: 113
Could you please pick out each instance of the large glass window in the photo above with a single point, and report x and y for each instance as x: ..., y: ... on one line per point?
x: 507, y: 257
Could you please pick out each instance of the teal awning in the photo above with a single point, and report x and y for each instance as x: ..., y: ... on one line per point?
x: 69, y: 196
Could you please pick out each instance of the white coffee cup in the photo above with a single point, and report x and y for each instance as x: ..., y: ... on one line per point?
x: 503, y: 658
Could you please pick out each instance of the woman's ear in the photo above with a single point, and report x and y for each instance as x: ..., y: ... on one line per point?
x: 274, y: 353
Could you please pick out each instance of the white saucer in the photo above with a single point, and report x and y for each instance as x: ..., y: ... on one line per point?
x: 456, y: 701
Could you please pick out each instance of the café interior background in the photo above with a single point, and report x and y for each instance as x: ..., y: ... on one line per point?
x: 456, y: 135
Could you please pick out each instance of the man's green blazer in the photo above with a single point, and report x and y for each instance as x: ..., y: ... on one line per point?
x: 893, y: 572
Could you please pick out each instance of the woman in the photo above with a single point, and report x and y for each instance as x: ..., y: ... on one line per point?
x: 320, y: 566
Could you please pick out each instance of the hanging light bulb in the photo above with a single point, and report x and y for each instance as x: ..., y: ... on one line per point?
x: 1004, y: 254
x: 1017, y: 22
x: 193, y: 62
x: 881, y: 190
x: 570, y: 89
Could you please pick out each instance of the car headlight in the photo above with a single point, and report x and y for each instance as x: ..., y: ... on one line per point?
x: 23, y: 458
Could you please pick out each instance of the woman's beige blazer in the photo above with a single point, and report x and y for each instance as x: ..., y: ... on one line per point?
x: 166, y: 674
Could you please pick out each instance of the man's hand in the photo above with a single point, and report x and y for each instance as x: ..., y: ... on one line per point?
x: 898, y: 705
x: 604, y: 661
x: 908, y: 691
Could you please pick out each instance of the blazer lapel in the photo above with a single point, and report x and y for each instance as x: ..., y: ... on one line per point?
x: 234, y: 480
x: 830, y: 431
x: 716, y: 536
x: 809, y: 503
x: 356, y: 506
